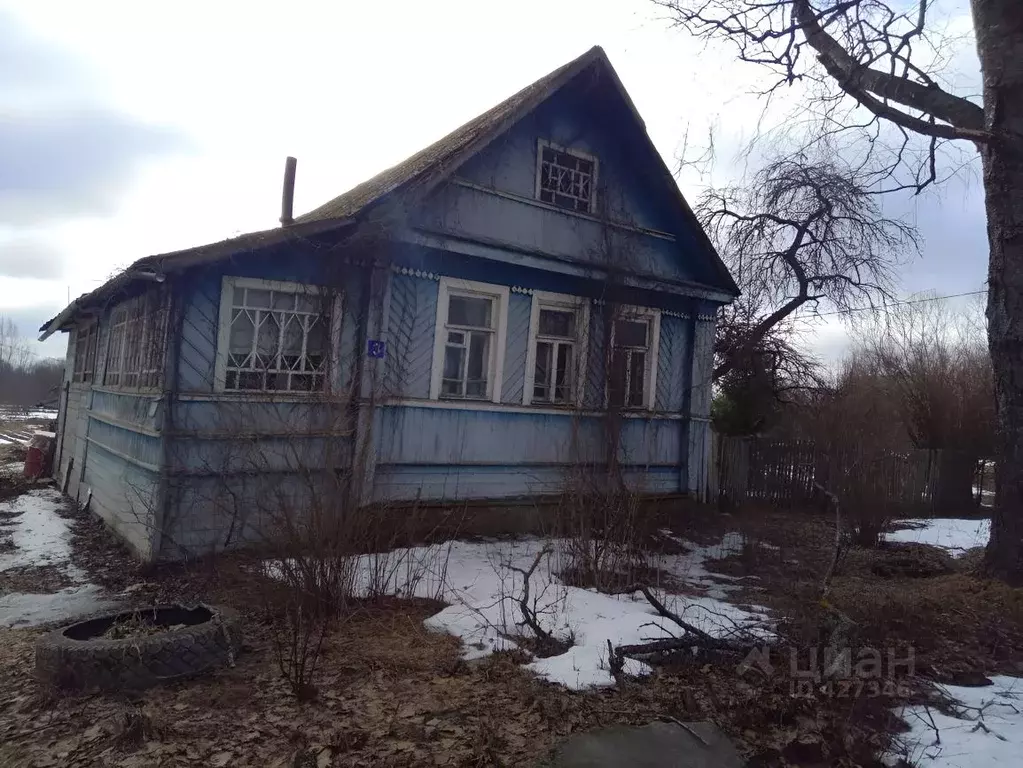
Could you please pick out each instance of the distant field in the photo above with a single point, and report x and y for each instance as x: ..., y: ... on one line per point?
x: 17, y: 425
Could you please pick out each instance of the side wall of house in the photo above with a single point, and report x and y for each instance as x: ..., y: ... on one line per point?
x: 237, y: 461
x: 109, y: 448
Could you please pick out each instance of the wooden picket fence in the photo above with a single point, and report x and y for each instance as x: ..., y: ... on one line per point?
x: 785, y: 472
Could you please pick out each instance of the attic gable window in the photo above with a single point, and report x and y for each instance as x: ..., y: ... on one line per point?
x: 565, y: 177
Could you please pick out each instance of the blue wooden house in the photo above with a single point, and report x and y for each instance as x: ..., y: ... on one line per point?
x: 457, y: 327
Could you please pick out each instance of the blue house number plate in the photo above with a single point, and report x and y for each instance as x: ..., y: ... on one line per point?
x: 376, y: 348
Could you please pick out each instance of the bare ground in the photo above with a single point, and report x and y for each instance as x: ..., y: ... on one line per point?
x: 390, y: 693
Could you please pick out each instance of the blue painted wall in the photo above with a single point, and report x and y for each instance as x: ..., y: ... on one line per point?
x: 201, y: 290
x: 412, y: 316
x: 516, y: 342
x: 442, y: 453
x: 215, y: 465
x: 500, y: 206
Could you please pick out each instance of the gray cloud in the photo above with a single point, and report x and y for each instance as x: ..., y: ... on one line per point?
x: 71, y: 162
x: 63, y: 153
x: 28, y: 257
x: 33, y: 70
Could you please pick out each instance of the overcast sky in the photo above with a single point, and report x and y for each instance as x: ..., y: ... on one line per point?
x: 128, y: 129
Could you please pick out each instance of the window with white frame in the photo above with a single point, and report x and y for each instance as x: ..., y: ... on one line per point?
x: 633, y: 369
x: 557, y: 349
x: 273, y: 336
x: 135, y: 349
x: 86, y: 339
x: 469, y: 341
x: 566, y: 178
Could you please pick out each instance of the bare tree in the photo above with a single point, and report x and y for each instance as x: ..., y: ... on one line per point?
x: 800, y: 234
x: 933, y: 368
x: 875, y: 71
x: 13, y: 352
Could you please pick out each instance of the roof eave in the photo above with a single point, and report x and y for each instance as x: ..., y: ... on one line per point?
x: 155, y: 268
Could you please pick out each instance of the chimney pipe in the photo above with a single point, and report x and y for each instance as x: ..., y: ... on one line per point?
x: 288, y: 195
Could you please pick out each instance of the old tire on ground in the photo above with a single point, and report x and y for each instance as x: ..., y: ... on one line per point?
x: 79, y: 657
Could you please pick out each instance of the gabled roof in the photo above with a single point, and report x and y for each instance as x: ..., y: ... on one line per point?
x: 417, y: 175
x: 443, y: 156
x: 437, y: 162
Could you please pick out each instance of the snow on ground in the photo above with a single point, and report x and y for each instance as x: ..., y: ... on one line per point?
x: 41, y: 537
x: 480, y: 582
x: 15, y: 437
x: 10, y: 413
x: 954, y: 534
x: 989, y: 731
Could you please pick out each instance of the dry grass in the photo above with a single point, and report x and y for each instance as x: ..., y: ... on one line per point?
x: 960, y: 626
x: 390, y: 693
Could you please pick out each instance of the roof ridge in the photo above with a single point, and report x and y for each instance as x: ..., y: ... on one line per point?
x: 414, y: 167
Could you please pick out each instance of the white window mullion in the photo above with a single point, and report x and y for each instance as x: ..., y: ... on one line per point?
x: 575, y: 344
x: 235, y: 373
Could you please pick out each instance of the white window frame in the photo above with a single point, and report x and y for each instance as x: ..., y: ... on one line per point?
x: 653, y: 349
x: 540, y: 144
x: 563, y: 302
x: 447, y: 287
x: 228, y: 285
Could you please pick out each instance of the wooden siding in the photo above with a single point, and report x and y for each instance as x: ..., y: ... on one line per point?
x: 141, y: 410
x: 702, y: 368
x: 478, y: 214
x: 412, y: 316
x: 593, y: 395
x: 504, y: 453
x: 124, y: 496
x: 442, y: 483
x: 517, y: 340
x: 672, y: 361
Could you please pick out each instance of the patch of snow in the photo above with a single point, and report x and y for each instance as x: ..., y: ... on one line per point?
x: 691, y: 567
x: 41, y: 537
x: 954, y: 534
x: 26, y: 610
x: 480, y: 582
x: 989, y: 731
x: 23, y: 414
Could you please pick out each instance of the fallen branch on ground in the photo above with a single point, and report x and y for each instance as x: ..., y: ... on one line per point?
x: 694, y: 637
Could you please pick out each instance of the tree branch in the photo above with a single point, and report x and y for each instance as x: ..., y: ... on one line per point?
x: 965, y: 119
